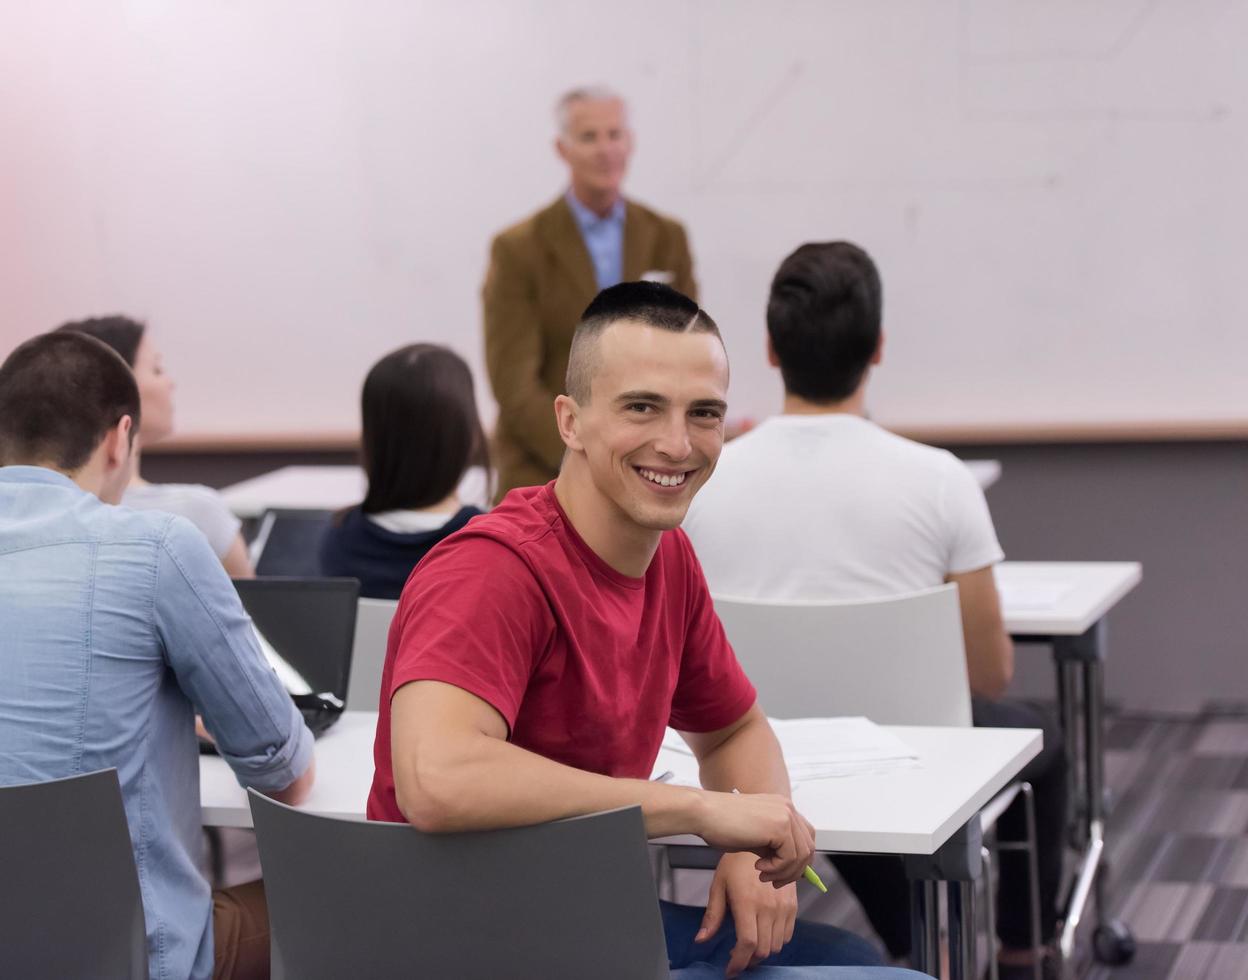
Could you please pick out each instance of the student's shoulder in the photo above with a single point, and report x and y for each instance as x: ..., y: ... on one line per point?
x: 919, y: 454
x: 522, y: 523
x: 192, y: 500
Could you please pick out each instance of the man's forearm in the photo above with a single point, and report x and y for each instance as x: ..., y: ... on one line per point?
x: 492, y: 784
x: 749, y: 760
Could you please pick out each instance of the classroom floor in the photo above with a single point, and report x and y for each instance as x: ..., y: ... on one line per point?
x: 1177, y: 846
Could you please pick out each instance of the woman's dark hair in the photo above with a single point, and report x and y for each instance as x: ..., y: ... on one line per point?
x: 420, y: 428
x: 120, y: 333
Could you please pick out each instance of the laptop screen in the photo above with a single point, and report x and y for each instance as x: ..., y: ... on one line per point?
x: 309, y: 623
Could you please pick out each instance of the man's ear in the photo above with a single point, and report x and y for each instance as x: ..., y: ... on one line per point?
x: 771, y: 353
x: 878, y: 356
x: 117, y: 445
x: 559, y: 149
x: 567, y: 417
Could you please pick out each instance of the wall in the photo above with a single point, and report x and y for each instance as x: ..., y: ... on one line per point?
x: 289, y: 188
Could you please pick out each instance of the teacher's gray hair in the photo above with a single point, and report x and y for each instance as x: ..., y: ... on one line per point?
x: 585, y: 93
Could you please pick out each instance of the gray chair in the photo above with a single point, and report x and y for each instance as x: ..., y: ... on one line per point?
x: 70, y: 904
x: 368, y: 657
x: 899, y: 660
x: 350, y: 898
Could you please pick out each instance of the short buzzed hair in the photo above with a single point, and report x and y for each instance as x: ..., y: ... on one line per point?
x: 60, y: 393
x: 585, y: 93
x: 649, y: 304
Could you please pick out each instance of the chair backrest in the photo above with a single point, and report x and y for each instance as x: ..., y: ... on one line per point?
x: 898, y: 661
x: 288, y: 542
x: 70, y: 904
x: 372, y: 629
x: 572, y: 898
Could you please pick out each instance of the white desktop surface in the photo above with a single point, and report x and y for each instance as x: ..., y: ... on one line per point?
x: 1082, y: 593
x: 344, y: 775
x: 986, y: 471
x: 912, y: 811
x: 322, y: 488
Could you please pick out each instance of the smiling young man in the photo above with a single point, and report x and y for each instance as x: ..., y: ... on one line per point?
x: 538, y: 654
x: 545, y: 270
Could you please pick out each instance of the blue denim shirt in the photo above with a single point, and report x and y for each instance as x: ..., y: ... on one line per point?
x: 604, y: 239
x: 115, y: 626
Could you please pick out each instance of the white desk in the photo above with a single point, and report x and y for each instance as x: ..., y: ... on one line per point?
x: 323, y: 488
x: 1065, y: 605
x: 986, y: 471
x: 1062, y: 598
x: 910, y: 811
x: 344, y: 775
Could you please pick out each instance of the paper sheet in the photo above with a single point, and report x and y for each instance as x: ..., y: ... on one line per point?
x: 814, y: 748
x: 1034, y: 596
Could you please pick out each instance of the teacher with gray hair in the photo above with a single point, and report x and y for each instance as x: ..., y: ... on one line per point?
x: 545, y: 270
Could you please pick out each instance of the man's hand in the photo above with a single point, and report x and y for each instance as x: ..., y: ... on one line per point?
x: 764, y: 824
x: 763, y: 916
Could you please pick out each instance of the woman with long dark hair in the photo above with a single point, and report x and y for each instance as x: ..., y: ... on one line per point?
x: 420, y: 434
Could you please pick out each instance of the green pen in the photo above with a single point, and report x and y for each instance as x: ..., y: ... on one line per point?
x: 809, y: 874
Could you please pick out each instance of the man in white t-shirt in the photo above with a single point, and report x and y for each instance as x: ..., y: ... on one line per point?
x: 821, y: 503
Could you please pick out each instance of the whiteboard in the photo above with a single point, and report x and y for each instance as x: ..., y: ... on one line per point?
x: 1056, y: 193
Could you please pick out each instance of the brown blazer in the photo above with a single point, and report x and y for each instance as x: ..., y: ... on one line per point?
x: 538, y: 284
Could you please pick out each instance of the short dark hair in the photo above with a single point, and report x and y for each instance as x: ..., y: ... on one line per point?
x: 420, y: 428
x: 121, y: 333
x: 823, y: 317
x: 60, y: 394
x: 651, y: 304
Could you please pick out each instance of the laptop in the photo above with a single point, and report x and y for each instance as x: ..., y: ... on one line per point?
x: 306, y: 629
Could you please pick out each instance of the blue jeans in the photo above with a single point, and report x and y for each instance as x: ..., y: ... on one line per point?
x: 816, y: 952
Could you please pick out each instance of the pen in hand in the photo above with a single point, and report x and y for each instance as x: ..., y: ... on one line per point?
x: 809, y: 874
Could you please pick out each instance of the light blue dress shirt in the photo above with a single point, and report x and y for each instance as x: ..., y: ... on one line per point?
x: 604, y: 238
x: 115, y: 626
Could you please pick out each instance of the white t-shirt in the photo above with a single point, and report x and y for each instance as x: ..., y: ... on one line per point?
x: 835, y: 507
x: 202, y: 506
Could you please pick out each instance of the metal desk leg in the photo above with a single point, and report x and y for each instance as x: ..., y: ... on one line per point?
x: 1082, y: 656
x: 961, y: 929
x: 957, y: 862
x: 925, y: 926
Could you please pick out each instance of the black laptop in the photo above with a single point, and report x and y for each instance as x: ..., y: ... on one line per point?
x: 306, y: 630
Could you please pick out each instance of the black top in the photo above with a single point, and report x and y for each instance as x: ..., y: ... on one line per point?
x: 382, y: 560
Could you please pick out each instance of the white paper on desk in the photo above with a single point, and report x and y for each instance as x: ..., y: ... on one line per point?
x: 830, y: 748
x: 1031, y: 596
x: 814, y: 748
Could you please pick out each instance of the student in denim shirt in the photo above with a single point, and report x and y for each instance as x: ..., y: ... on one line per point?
x: 118, y: 625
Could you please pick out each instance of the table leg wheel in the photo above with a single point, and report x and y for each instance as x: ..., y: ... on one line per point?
x: 1113, y: 943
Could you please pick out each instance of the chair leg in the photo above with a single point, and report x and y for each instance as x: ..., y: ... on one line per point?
x: 1033, y: 876
x: 990, y: 912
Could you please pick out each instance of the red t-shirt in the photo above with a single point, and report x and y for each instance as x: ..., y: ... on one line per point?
x: 586, y: 665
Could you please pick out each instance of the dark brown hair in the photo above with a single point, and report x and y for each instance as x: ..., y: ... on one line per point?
x: 60, y: 394
x: 120, y: 333
x: 823, y: 317
x: 420, y: 428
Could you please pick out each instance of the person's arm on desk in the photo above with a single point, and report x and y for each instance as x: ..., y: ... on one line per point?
x: 454, y: 770
x: 745, y: 756
x: 989, y: 650
x: 211, y: 648
x: 514, y: 351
